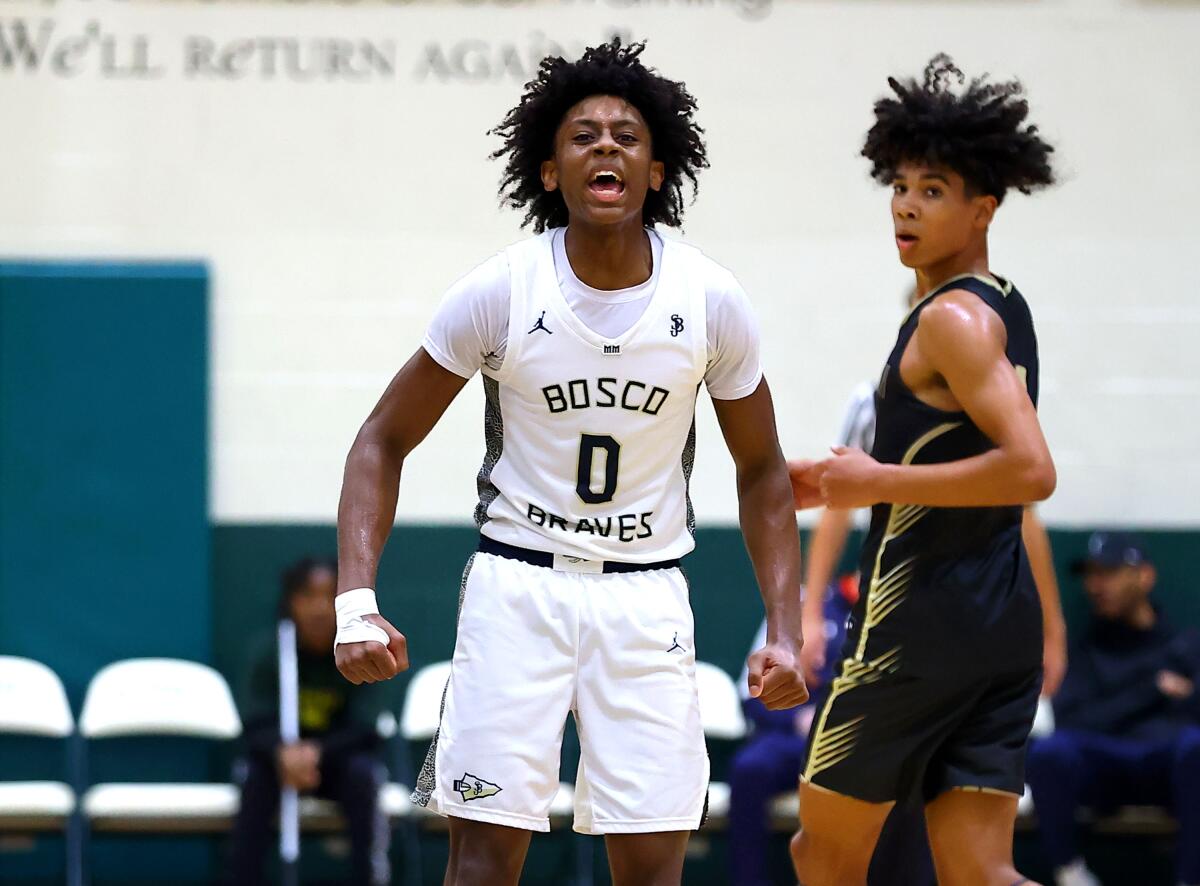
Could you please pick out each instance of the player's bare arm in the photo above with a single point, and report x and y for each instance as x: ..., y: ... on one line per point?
x: 1054, y: 627
x: 825, y: 546
x: 806, y: 488
x: 412, y: 404
x: 769, y: 527
x: 956, y: 360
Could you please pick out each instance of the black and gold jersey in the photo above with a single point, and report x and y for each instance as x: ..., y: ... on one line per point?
x: 968, y: 563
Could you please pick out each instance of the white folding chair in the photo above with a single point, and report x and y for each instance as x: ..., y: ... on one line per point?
x: 1043, y: 727
x: 159, y: 696
x: 422, y: 713
x: 422, y: 710
x: 33, y: 702
x: 722, y: 718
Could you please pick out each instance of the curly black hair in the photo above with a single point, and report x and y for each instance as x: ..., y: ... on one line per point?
x: 979, y: 132
x: 613, y: 69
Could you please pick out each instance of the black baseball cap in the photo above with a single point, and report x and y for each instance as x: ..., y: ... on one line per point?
x: 1108, y: 550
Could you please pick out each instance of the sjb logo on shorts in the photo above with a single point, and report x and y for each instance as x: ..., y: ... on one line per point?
x: 472, y: 787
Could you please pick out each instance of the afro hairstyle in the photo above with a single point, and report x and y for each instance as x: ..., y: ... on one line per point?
x: 978, y: 131
x: 528, y: 130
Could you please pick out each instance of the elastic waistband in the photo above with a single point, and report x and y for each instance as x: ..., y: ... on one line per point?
x: 564, y: 563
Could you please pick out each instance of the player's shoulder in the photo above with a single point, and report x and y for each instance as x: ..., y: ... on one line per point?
x: 725, y: 299
x: 487, y: 283
x: 530, y: 249
x: 488, y: 274
x: 978, y: 295
x: 959, y: 320
x: 716, y: 277
x: 965, y: 301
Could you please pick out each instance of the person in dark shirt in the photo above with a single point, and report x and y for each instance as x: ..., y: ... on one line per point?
x: 1127, y: 716
x: 335, y: 757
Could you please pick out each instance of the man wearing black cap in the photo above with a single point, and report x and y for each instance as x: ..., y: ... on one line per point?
x: 1128, y: 714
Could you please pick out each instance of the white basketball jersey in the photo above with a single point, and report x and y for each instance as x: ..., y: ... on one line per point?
x: 590, y: 439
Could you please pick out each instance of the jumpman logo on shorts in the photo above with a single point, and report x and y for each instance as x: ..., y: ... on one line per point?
x: 540, y: 324
x: 675, y: 644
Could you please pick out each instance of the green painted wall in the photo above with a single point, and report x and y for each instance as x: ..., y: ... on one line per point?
x: 103, y: 453
x: 104, y: 529
x: 421, y: 567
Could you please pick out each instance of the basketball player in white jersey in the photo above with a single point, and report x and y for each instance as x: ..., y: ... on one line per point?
x: 593, y: 339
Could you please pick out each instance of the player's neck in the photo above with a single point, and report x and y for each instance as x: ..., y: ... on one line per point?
x: 609, y: 256
x: 972, y: 260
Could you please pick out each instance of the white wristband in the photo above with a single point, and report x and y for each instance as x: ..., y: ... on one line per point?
x: 351, y: 626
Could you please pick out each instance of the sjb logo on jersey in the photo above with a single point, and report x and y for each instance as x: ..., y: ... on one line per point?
x: 676, y: 325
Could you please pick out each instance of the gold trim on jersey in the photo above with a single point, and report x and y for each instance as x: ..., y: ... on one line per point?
x: 1005, y: 289
x: 884, y: 594
x: 906, y: 516
x: 888, y: 590
x: 980, y: 789
x: 832, y: 746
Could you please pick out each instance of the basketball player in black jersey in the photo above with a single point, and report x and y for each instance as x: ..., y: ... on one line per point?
x: 939, y: 680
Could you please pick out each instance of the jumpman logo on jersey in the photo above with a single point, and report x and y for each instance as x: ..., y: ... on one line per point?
x: 540, y: 324
x: 676, y: 325
x: 675, y: 643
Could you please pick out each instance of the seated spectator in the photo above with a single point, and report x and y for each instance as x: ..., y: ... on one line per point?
x: 769, y: 764
x: 336, y: 756
x: 1127, y: 716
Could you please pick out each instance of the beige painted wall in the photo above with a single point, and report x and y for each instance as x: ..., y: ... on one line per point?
x: 338, y: 188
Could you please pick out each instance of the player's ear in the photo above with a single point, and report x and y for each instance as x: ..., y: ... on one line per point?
x: 658, y: 173
x: 985, y: 209
x: 549, y: 175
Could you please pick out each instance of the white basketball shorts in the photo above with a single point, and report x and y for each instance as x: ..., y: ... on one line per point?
x: 535, y: 643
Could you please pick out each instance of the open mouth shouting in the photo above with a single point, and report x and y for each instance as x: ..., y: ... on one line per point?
x: 607, y: 184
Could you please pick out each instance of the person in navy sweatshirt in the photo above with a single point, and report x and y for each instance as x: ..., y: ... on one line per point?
x: 1127, y: 716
